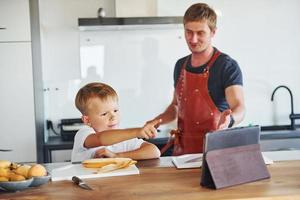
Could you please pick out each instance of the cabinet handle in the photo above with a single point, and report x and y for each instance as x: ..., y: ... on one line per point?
x: 2, y: 28
x: 5, y: 150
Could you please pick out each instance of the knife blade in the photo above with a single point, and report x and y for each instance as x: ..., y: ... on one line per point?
x: 80, y: 183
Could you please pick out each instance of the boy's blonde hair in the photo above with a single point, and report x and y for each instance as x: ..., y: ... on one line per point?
x: 199, y: 12
x: 92, y: 90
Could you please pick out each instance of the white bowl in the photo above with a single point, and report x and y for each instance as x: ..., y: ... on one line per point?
x: 40, y: 180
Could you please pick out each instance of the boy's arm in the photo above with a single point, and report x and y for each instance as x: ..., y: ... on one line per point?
x: 109, y: 137
x: 146, y: 151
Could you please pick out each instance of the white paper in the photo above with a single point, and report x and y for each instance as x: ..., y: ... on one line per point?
x: 195, y: 161
x: 188, y: 161
x: 267, y: 160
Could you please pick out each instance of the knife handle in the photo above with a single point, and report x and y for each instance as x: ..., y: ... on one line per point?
x: 76, y: 180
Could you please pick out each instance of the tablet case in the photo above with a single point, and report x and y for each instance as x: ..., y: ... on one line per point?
x: 232, y: 166
x: 231, y: 137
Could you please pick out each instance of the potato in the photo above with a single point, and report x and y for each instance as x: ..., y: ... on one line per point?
x: 14, y: 165
x: 5, y: 164
x: 4, y: 172
x: 3, y: 179
x: 23, y: 170
x: 37, y: 170
x: 16, y: 177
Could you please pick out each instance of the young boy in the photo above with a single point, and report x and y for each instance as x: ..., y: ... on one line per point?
x: 98, y: 104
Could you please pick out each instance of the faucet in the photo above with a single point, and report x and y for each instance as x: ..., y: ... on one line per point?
x: 292, y: 116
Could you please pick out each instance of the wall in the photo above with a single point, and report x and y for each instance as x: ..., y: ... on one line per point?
x: 261, y: 35
x: 124, y: 8
x: 138, y: 63
x: 264, y: 38
x: 60, y: 49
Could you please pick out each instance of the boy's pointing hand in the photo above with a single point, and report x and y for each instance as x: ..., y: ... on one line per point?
x: 149, y: 129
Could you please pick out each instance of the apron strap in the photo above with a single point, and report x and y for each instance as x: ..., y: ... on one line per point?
x: 212, y: 60
x: 173, y: 139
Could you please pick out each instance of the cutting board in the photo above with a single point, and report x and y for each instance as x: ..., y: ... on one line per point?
x: 66, y: 172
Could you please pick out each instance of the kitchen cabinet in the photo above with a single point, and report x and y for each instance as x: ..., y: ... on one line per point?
x: 17, y: 119
x: 17, y: 123
x: 14, y: 20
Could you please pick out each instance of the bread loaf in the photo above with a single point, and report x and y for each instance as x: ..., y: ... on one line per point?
x: 101, y: 162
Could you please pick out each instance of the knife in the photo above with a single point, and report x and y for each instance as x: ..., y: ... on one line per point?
x: 80, y: 183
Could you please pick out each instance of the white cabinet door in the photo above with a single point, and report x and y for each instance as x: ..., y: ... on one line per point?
x: 14, y: 20
x: 17, y: 123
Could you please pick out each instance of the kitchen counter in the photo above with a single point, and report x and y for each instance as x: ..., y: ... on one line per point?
x: 158, y: 179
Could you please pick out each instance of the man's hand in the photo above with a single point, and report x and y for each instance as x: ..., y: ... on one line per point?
x: 224, y: 119
x: 104, y: 153
x: 149, y: 129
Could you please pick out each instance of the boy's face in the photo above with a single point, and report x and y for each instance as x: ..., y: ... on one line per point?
x: 102, y: 114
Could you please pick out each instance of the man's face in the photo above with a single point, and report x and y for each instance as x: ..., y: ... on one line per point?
x: 103, y: 115
x: 198, y: 36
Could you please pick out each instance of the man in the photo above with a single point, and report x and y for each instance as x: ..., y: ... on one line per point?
x: 208, y: 92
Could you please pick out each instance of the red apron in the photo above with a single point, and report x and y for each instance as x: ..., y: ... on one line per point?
x: 197, y: 113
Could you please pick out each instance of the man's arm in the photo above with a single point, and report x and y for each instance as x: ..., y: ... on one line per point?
x: 235, y: 98
x: 169, y: 114
x: 146, y: 151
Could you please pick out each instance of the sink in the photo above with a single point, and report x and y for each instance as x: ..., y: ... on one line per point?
x: 279, y: 137
x: 279, y: 132
x: 275, y: 128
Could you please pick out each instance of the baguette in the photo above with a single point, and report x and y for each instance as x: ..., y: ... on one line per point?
x: 101, y: 162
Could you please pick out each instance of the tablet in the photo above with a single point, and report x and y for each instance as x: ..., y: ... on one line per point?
x: 231, y: 137
x: 222, y: 139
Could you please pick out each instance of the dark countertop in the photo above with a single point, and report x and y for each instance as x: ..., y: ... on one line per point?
x: 57, y: 142
x: 279, y: 132
x: 268, y: 133
x: 284, y: 134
